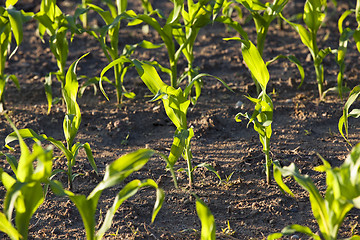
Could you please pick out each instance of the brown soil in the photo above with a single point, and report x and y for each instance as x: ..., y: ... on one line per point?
x: 302, y: 127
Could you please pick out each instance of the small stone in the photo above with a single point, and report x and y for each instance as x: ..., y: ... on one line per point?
x: 294, y: 237
x: 239, y: 104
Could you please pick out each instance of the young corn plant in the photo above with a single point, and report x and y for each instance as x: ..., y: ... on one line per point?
x: 71, y: 126
x: 11, y: 25
x: 263, y: 113
x: 24, y: 190
x: 115, y: 174
x: 180, y: 29
x: 342, y: 194
x: 194, y: 16
x: 345, y: 36
x: 112, y: 18
x: 263, y: 15
x: 344, y: 119
x: 176, y: 104
x: 53, y: 22
x: 314, y: 15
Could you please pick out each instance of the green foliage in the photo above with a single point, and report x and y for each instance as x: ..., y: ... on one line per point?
x: 11, y: 26
x: 345, y: 35
x: 115, y: 173
x: 263, y: 15
x: 342, y: 194
x: 208, y: 226
x: 181, y: 28
x: 112, y: 17
x: 24, y: 191
x: 56, y: 24
x: 176, y: 104
x: 314, y: 15
x: 71, y: 126
x: 263, y: 113
x: 343, y: 121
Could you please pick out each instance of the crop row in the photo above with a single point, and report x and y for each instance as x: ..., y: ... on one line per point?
x: 32, y: 174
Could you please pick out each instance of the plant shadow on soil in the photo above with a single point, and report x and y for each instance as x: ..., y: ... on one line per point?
x: 302, y: 127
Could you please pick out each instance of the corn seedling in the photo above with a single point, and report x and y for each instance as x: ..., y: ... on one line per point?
x: 342, y: 194
x: 314, y: 15
x: 53, y: 22
x: 24, y: 191
x: 263, y: 15
x: 113, y: 18
x: 343, y: 121
x: 71, y: 126
x: 263, y: 112
x: 345, y: 35
x: 11, y: 24
x: 176, y: 103
x: 181, y: 29
x: 115, y: 173
x: 194, y: 18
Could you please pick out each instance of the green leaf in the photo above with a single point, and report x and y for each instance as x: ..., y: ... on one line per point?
x: 357, y: 39
x: 7, y: 227
x: 255, y: 63
x: 235, y: 25
x: 210, y: 168
x: 291, y: 229
x: 10, y: 3
x: 87, y: 208
x: 279, y: 180
x: 208, y: 227
x: 314, y: 14
x: 292, y: 59
x: 117, y: 171
x: 90, y: 156
x: 175, y: 14
x: 16, y: 22
x: 178, y: 146
x: 305, y: 35
x: 121, y: 5
x: 119, y: 61
x: 217, y: 7
x: 128, y: 191
x: 321, y: 55
x: 149, y: 76
x: 343, y: 16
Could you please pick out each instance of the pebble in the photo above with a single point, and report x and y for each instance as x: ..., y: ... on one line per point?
x: 239, y: 104
x: 295, y: 237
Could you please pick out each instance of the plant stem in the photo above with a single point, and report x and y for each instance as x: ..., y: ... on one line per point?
x: 118, y: 85
x: 190, y: 169
x: 173, y: 76
x: 319, y: 70
x: 268, y: 161
x: 188, y: 158
x: 268, y: 165
x: 69, y: 173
